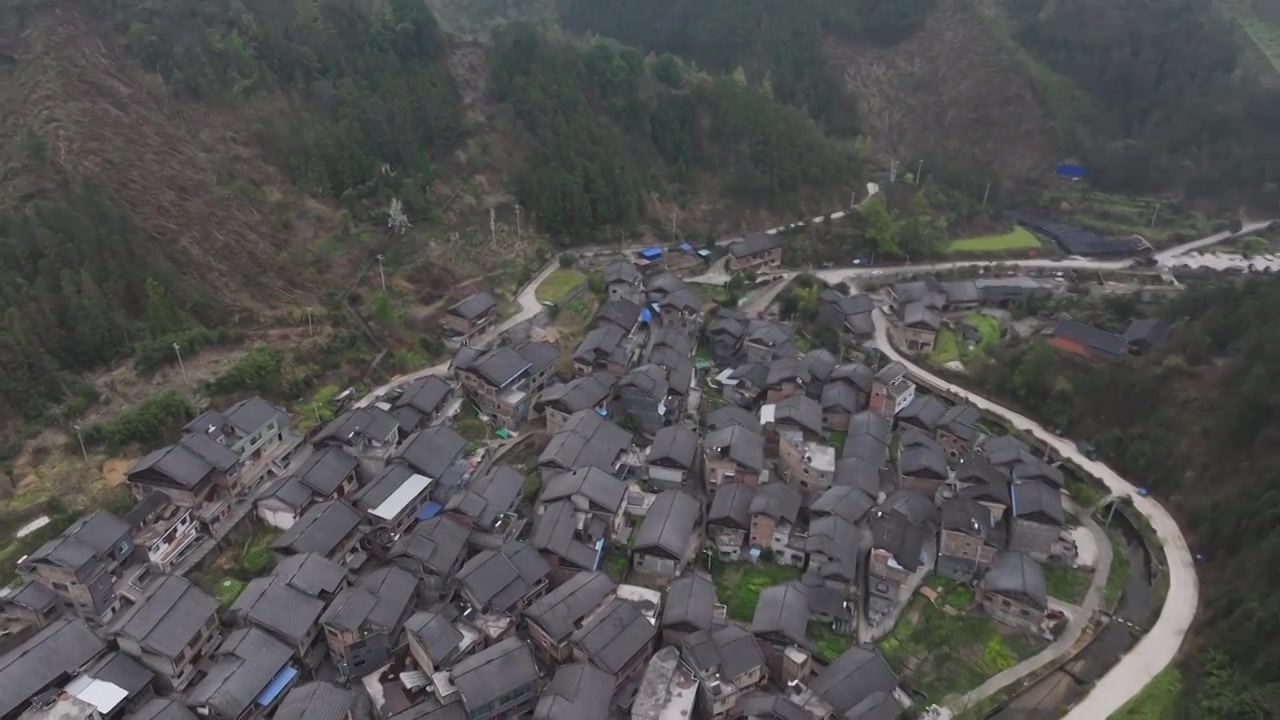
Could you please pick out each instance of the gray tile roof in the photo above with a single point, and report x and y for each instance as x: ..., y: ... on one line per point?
x: 841, y: 397
x: 621, y: 312
x: 581, y: 393
x: 847, y: 502
x: 786, y: 369
x: 325, y: 470
x: 494, y: 672
x: 432, y: 709
x: 501, y: 365
x: 1148, y: 331
x: 782, y: 611
x: 33, y: 596
x: 391, y: 479
x: 819, y: 363
x: 474, y: 306
x: 432, y: 451
x: 367, y: 422
x: 841, y: 541
x: 321, y: 528
x: 878, y: 705
x: 731, y: 506
x: 1034, y: 499
x: 586, y: 440
x: 648, y: 381
x: 378, y: 601
x: 925, y: 410
x: 488, y: 495
x: 57, y: 651
x: 621, y: 269
x: 555, y: 531
x: 669, y: 524
x: 186, y: 463
x: 801, y: 411
x: 289, y: 490
x: 763, y: 705
x: 872, y: 425
x: 729, y: 650
x: 590, y: 488
x: 755, y: 243
x: 614, y: 635
x: 858, y: 473
x: 312, y: 573
x: 891, y: 531
x: 740, y: 444
x: 436, y: 544
x: 579, y: 690
x: 602, y: 340
x: 891, y: 372
x: 1015, y: 573
x: 560, y: 611
x: 967, y: 515
x: 436, y: 633
x: 689, y: 602
x: 315, y: 701
x: 674, y: 446
x: 976, y: 469
x: 915, y: 437
x: 857, y: 674
x: 241, y: 668
x: 917, y: 508
x: 923, y: 461
x: 424, y: 395
x: 249, y: 415
x: 166, y: 621
x: 730, y: 415
x: 777, y: 500
x: 1097, y: 343
x: 162, y: 709
x: 962, y: 421
x: 673, y: 338
x: 500, y: 578
x: 272, y: 604
x: 991, y: 491
x: 684, y: 299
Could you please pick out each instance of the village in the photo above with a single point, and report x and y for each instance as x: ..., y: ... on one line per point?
x: 697, y: 506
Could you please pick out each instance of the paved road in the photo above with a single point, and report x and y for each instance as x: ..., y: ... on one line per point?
x: 1157, y: 649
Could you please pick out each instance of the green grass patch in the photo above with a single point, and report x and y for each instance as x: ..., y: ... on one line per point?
x: 738, y: 586
x: 227, y: 590
x: 1120, y: 571
x: 829, y: 643
x: 1066, y: 583
x: 532, y: 487
x: 988, y: 329
x: 256, y: 556
x: 1161, y: 699
x: 837, y: 438
x: 471, y: 426
x: 946, y: 348
x: 558, y: 283
x: 615, y: 565
x: 1085, y: 494
x: 1016, y: 239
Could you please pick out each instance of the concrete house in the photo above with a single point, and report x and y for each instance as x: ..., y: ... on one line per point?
x: 170, y: 631
x: 503, y: 382
x: 835, y: 550
x: 644, y: 397
x: 246, y: 677
x: 577, y: 513
x: 317, y: 700
x: 859, y: 684
x: 44, y: 661
x: 968, y: 541
x: 729, y: 519
x: 291, y: 615
x: 256, y: 431
x: 919, y: 325
x: 767, y: 341
x: 587, y: 440
x: 421, y: 403
x: 553, y: 618
x: 668, y: 689
x: 487, y: 503
x: 370, y: 434
x: 672, y: 458
x: 470, y: 316
x: 617, y: 638
x: 623, y: 281
x: 733, y: 454
x: 29, y: 608
x: 808, y: 465
x: 578, y: 690
x: 780, y: 622
x: 897, y: 552
x: 729, y: 666
x: 434, y: 550
x: 799, y: 414
x: 500, y: 681
x: 1037, y: 520
x: 503, y: 581
x: 313, y: 574
x: 436, y: 642
x: 330, y: 528
x: 363, y: 625
x: 589, y: 392
x: 165, y: 533
x: 197, y: 472
x: 774, y: 511
x: 328, y: 474
x: 841, y: 401
x: 891, y: 391
x: 1013, y: 592
x: 83, y: 564
x: 688, y: 607
x: 667, y: 537
x: 391, y: 503
x: 757, y: 251
x: 606, y: 348
x: 922, y: 467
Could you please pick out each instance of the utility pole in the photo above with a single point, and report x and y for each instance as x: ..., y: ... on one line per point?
x: 518, y: 209
x: 1155, y: 214
x: 985, y: 193
x: 177, y: 350
x: 673, y: 225
x: 80, y: 437
x: 310, y: 328
x: 381, y: 274
x: 893, y: 171
x: 853, y: 199
x: 493, y: 225
x: 919, y: 169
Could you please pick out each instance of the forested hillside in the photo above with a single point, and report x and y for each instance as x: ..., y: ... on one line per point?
x: 1197, y: 421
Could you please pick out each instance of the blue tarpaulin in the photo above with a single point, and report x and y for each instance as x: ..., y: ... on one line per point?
x: 277, y: 685
x: 652, y: 253
x: 686, y: 247
x: 430, y: 510
x: 1071, y: 170
x: 646, y: 315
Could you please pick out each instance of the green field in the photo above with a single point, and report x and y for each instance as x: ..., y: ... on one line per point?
x: 1066, y: 583
x: 946, y: 347
x: 738, y: 586
x: 1159, y: 700
x: 559, y: 282
x: 1017, y: 239
x: 988, y: 327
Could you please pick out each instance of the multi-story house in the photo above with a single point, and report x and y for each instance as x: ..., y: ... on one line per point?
x: 919, y: 325
x: 958, y: 432
x: 330, y: 528
x: 502, y: 581
x: 553, y: 618
x: 245, y: 678
x: 729, y: 665
x: 363, y: 625
x: 44, y: 661
x: 434, y: 551
x: 370, y: 434
x: 672, y: 458
x: 1013, y: 592
x: 682, y: 309
x: 897, y: 552
x: 576, y: 691
x: 470, y: 316
x: 589, y: 392
x: 436, y: 642
x: 586, y: 440
x: 967, y: 541
x: 256, y: 431
x: 644, y: 397
x: 922, y: 467
x: 835, y: 547
x: 800, y: 414
x: 607, y: 348
x: 316, y: 699
x: 780, y: 622
x: 757, y: 251
x: 328, y: 474
x: 503, y: 382
x: 786, y: 378
x: 436, y: 452
x: 83, y: 564
x: 623, y: 313
x: 806, y: 464
x: 313, y: 574
x: 725, y: 334
x: 171, y: 631
x: 729, y: 519
x: 291, y: 615
x: 774, y: 511
x: 689, y: 607
x: 733, y: 454
x: 576, y: 514
x: 500, y: 681
x: 31, y: 607
x: 858, y: 684
x: 197, y: 472
x: 623, y: 281
x: 766, y: 341
x: 1037, y: 521
x: 667, y: 537
x: 391, y: 503
x: 421, y: 402
x: 488, y: 500
x: 849, y: 314
x: 891, y: 391
x: 840, y: 401
x: 616, y: 638
x: 165, y: 532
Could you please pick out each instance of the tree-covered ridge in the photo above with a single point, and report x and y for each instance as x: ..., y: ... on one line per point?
x: 609, y: 127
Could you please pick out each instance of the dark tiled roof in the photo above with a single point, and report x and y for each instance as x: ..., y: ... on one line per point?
x: 436, y: 543
x: 841, y: 542
x: 669, y: 523
x: 436, y: 633
x: 782, y: 610
x: 312, y: 573
x: 967, y: 515
x: 241, y: 668
x: 33, y: 596
x: 923, y: 460
x: 841, y: 397
x: 763, y: 705
x: 432, y: 451
x: 321, y: 528
x: 586, y: 440
x: 777, y: 500
x: 730, y: 415
x: 892, y: 532
x: 729, y: 650
x: 162, y: 709
x: 368, y: 422
x: 1034, y: 498
x: 856, y: 675
x: 555, y: 530
x: 500, y: 578
x: 925, y: 410
x: 579, y: 690
x: 621, y: 270
x: 847, y: 502
x: 169, y: 618
x: 689, y: 601
x: 494, y: 672
x: 731, y: 506
x: 858, y: 473
x: 325, y: 470
x: 424, y: 395
x: 1015, y: 573
x: 917, y: 508
x: 500, y: 366
x: 1149, y: 331
x: 614, y: 635
x: 489, y: 494
x: 754, y: 243
x: 740, y: 444
x: 622, y: 312
x: 273, y: 605
x: 249, y: 415
x: 919, y: 314
x: 474, y: 305
x: 675, y: 446
x: 315, y: 701
x: 58, y: 650
x: 559, y: 611
x: 601, y: 491
x: 378, y: 601
x: 799, y: 410
x: 581, y: 393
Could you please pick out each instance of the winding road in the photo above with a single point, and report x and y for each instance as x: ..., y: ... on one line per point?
x: 1158, y: 648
